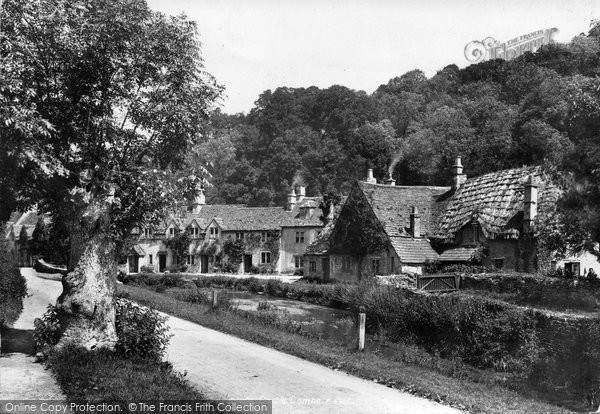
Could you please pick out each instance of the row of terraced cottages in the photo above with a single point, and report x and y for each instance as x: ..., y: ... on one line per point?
x: 274, y: 238
x: 490, y: 219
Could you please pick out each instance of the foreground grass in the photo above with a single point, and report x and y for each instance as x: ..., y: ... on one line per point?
x: 109, y: 377
x: 478, y: 393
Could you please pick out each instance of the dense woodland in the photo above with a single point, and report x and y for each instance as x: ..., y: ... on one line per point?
x: 541, y: 108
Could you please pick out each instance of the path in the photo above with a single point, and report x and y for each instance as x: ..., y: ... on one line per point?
x: 20, y: 376
x: 224, y: 366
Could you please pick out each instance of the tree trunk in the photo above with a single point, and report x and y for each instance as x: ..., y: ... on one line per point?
x: 87, y: 301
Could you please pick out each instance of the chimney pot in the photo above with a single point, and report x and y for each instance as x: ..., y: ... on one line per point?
x: 530, y: 202
x: 415, y: 222
x: 291, y: 200
x: 199, y: 201
x: 300, y: 193
x: 370, y: 179
x: 389, y: 180
x: 458, y: 178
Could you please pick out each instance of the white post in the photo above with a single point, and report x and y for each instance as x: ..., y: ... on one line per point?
x: 361, y: 331
x: 214, y: 298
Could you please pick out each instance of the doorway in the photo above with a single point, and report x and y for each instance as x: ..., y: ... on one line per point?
x: 325, y: 269
x: 203, y: 263
x: 162, y: 262
x: 134, y: 262
x: 247, y: 263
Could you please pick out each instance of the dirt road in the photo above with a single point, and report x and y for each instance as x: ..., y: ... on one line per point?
x: 224, y: 366
x: 21, y: 378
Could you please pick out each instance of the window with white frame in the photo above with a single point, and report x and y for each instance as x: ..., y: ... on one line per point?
x: 214, y: 232
x: 263, y: 236
x: 190, y: 259
x: 299, y: 237
x: 312, y: 266
x: 239, y: 235
x: 147, y: 233
x: 149, y: 259
x: 298, y: 261
x: 172, y: 232
x: 265, y: 257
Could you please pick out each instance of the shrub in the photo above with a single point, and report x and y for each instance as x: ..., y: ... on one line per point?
x: 229, y: 267
x: 254, y: 270
x: 191, y: 296
x: 147, y: 269
x: 254, y: 285
x: 264, y: 306
x: 13, y: 288
x: 274, y: 287
x: 299, y: 272
x: 171, y: 280
x: 47, y: 329
x: 141, y: 331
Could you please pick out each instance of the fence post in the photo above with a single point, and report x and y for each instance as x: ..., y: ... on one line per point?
x: 214, y: 298
x: 361, y: 329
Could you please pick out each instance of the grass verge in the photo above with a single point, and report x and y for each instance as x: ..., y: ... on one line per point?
x: 478, y: 392
x: 109, y: 377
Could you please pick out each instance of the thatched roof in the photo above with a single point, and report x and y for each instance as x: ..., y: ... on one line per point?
x: 494, y: 200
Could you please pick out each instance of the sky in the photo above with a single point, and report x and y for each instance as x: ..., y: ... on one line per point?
x: 250, y: 46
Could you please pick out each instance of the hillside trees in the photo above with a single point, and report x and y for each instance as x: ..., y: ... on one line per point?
x: 100, y: 102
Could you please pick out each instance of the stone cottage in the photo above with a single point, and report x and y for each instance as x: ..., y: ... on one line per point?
x: 489, y: 219
x: 274, y: 238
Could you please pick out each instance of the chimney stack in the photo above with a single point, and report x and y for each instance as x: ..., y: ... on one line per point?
x: 300, y: 193
x: 415, y: 223
x: 389, y: 180
x: 530, y: 204
x: 370, y: 179
x: 199, y: 201
x: 458, y: 178
x: 291, y: 200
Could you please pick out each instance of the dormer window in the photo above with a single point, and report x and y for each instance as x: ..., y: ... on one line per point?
x: 239, y: 235
x: 171, y: 232
x: 194, y: 231
x: 214, y: 232
x: 147, y: 233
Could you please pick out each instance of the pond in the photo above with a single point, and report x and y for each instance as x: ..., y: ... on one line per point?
x: 320, y: 321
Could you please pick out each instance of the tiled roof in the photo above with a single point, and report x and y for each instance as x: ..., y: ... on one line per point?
x: 413, y: 250
x: 298, y: 217
x: 459, y: 254
x: 393, y: 204
x: 321, y: 243
x: 493, y: 200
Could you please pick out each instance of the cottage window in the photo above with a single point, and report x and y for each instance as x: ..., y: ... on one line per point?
x: 375, y: 266
x: 265, y: 257
x: 499, y: 263
x: 239, y: 235
x: 189, y: 259
x: 299, y: 237
x: 298, y: 261
x: 147, y: 233
x: 194, y: 231
x: 312, y: 266
x: 263, y: 236
x: 214, y: 232
x: 149, y: 259
x: 172, y: 232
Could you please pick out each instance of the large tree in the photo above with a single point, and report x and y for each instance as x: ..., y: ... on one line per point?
x: 99, y: 102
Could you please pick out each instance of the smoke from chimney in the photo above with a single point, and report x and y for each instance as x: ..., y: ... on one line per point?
x: 397, y: 158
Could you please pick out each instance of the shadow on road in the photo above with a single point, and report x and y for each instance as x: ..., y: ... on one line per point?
x: 17, y: 340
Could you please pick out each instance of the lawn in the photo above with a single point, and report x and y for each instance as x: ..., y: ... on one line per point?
x: 110, y: 377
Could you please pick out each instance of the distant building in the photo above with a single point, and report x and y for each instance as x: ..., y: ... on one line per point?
x: 274, y: 238
x: 19, y: 230
x: 490, y: 219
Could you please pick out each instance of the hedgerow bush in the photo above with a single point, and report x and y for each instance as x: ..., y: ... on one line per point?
x: 141, y: 331
x: 13, y: 288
